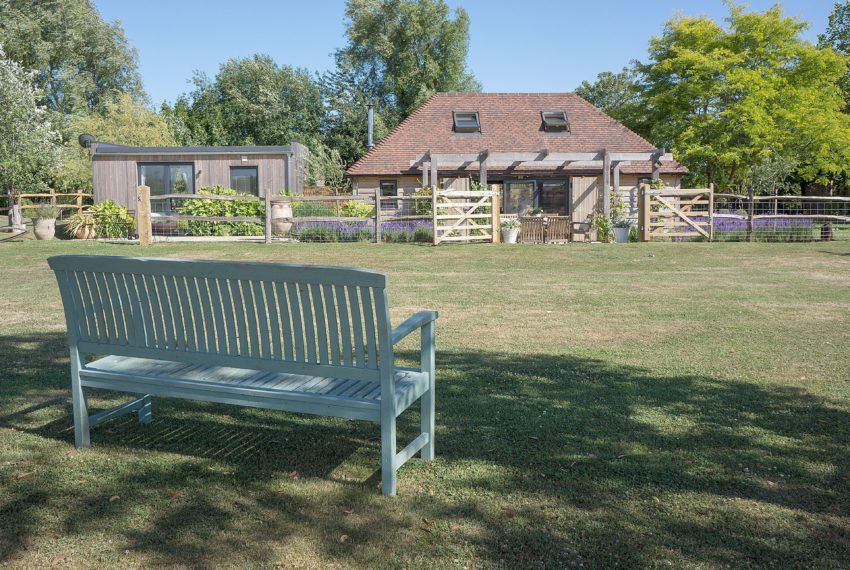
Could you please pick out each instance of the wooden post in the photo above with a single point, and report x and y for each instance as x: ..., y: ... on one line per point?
x: 378, y: 216
x: 644, y: 213
x: 53, y: 197
x: 750, y: 213
x: 79, y: 202
x: 495, y: 209
x: 606, y: 183
x: 268, y: 217
x: 434, y: 211
x: 711, y: 211
x: 143, y: 215
x: 425, y: 167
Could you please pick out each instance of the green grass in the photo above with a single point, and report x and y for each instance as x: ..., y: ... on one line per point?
x: 643, y: 405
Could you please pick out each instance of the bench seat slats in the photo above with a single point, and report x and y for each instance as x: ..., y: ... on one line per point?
x: 117, y: 371
x: 305, y: 339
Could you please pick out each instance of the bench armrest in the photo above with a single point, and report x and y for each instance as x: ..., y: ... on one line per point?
x: 413, y: 323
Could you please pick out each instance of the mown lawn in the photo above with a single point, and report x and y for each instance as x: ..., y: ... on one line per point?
x: 644, y: 405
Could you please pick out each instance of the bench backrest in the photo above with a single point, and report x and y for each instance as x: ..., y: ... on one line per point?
x: 324, y: 321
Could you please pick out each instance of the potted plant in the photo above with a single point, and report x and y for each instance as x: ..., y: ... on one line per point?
x: 510, y: 230
x: 600, y: 224
x: 281, y: 215
x: 621, y: 230
x: 44, y: 222
x: 81, y: 226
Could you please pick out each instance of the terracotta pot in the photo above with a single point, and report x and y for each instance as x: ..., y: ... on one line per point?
x: 44, y: 229
x: 85, y: 232
x: 281, y: 226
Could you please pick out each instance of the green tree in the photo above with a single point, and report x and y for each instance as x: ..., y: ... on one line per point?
x: 345, y: 127
x: 837, y: 37
x: 726, y: 98
x: 28, y: 143
x: 404, y: 51
x: 80, y: 60
x: 123, y: 121
x: 619, y: 95
x: 250, y: 101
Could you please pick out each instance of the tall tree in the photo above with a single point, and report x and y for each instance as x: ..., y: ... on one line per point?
x: 80, y: 60
x: 28, y: 143
x: 403, y: 51
x: 837, y: 37
x: 250, y: 101
x: 727, y: 98
x: 123, y: 121
x: 345, y: 127
x: 620, y: 96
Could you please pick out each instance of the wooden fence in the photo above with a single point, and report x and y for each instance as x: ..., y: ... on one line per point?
x: 159, y: 216
x: 54, y: 199
x: 675, y: 213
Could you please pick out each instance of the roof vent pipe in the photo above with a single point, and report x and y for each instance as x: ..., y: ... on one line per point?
x: 371, y: 125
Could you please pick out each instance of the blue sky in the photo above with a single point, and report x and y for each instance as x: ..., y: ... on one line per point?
x: 515, y: 45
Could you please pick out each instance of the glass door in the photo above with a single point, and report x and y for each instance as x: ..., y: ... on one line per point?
x: 554, y: 197
x: 519, y: 196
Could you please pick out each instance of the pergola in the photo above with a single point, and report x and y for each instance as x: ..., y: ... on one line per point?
x: 608, y: 162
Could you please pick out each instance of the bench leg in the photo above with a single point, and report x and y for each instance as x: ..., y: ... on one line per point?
x: 388, y: 457
x: 80, y: 401
x: 428, y: 401
x: 145, y: 415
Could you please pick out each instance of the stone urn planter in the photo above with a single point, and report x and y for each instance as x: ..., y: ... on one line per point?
x: 44, y: 222
x: 44, y: 228
x: 281, y: 218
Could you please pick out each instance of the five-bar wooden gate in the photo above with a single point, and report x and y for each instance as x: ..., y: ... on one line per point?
x: 675, y: 213
x: 465, y: 216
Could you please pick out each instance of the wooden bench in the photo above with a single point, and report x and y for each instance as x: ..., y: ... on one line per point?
x: 298, y: 338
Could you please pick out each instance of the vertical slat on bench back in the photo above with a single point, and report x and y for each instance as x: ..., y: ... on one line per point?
x: 315, y: 316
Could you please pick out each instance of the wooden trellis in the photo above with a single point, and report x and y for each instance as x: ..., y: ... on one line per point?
x: 465, y: 216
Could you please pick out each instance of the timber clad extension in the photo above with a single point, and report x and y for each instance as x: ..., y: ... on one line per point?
x: 118, y: 170
x: 553, y: 151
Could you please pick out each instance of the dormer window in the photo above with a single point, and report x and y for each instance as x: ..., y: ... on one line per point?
x: 466, y: 122
x: 555, y: 122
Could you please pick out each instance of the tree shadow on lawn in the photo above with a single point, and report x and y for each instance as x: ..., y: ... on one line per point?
x: 543, y: 460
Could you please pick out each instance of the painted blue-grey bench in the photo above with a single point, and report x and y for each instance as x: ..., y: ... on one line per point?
x: 298, y: 338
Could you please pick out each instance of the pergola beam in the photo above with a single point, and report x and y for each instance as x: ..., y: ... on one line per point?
x: 543, y: 156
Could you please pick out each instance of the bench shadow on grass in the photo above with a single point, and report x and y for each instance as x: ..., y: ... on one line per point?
x: 585, y: 461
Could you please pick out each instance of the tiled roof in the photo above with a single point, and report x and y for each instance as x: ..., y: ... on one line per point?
x: 510, y: 122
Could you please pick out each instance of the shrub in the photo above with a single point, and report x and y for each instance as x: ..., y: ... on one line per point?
x: 423, y: 235
x: 112, y: 220
x: 311, y: 209
x: 423, y: 207
x: 44, y: 213
x: 223, y: 208
x: 357, y: 209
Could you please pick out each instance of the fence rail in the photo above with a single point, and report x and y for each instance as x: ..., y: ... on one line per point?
x: 669, y: 214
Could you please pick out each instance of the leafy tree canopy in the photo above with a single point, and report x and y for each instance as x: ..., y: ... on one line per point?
x: 404, y: 51
x: 250, y: 101
x: 727, y: 98
x: 80, y: 60
x: 837, y: 36
x: 123, y: 121
x: 28, y: 143
x: 620, y: 96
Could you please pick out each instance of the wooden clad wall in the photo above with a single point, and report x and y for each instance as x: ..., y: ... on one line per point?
x: 585, y: 196
x: 116, y: 177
